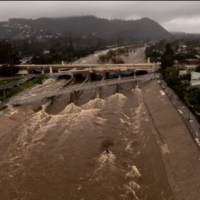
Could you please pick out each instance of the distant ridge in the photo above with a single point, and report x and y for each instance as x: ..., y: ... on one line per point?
x: 140, y: 29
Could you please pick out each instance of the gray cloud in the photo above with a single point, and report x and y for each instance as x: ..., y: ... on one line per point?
x: 173, y: 15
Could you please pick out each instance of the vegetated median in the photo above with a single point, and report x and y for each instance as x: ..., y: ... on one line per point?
x: 7, y: 81
x: 4, y: 95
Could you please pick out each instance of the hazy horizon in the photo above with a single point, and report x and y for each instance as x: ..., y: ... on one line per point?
x: 173, y: 16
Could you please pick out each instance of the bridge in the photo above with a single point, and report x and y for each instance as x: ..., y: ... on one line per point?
x: 75, y: 88
x: 101, y: 70
x: 24, y: 69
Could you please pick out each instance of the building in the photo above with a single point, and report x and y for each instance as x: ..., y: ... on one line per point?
x: 26, y: 60
x: 183, y: 72
x: 192, y: 61
x: 46, y: 52
x: 195, y: 79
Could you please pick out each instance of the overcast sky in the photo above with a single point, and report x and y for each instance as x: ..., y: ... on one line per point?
x: 173, y: 15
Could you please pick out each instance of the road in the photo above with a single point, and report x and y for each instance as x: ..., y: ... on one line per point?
x: 192, y: 124
x: 18, y: 82
x: 10, y: 78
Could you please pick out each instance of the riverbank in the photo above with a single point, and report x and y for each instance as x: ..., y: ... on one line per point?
x: 181, y: 155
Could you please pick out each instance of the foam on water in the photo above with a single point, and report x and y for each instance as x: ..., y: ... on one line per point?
x: 79, y: 119
x: 106, y: 160
x: 165, y: 149
x: 11, y: 111
x: 134, y: 172
x: 136, y: 116
x: 130, y: 188
x: 125, y: 122
x: 71, y: 108
x: 19, y: 148
x: 137, y: 90
x: 132, y: 185
x: 117, y: 100
x: 96, y: 103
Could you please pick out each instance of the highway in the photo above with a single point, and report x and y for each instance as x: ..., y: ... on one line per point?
x: 18, y: 82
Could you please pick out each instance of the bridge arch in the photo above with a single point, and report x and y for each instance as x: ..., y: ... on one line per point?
x: 141, y: 72
x: 64, y: 76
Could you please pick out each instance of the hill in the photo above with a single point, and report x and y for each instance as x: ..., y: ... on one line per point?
x: 84, y: 26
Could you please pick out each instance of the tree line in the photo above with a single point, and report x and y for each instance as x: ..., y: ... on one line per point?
x: 114, y: 55
x: 180, y: 84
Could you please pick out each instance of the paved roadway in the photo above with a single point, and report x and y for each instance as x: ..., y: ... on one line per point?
x: 10, y: 78
x: 18, y: 82
x: 11, y: 85
x: 192, y: 124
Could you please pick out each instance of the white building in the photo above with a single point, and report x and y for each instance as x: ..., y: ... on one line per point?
x: 195, y: 79
x: 46, y: 52
x: 182, y: 72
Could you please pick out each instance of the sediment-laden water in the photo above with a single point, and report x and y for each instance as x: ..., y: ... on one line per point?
x: 99, y: 149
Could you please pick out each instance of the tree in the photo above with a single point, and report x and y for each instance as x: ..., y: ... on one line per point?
x: 197, y: 69
x: 167, y: 59
x: 187, y: 77
x: 103, y: 58
x: 120, y: 61
x: 117, y: 60
x: 8, y: 54
x: 114, y: 60
x: 111, y: 53
x: 168, y: 50
x: 173, y: 80
x: 9, y: 70
x: 180, y: 57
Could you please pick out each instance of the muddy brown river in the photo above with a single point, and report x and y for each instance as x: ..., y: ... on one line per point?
x: 96, y: 149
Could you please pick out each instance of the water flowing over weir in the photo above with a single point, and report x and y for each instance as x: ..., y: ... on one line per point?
x: 104, y: 149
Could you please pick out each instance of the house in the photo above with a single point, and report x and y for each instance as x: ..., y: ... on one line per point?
x: 192, y: 61
x: 195, y: 76
x: 184, y: 46
x: 195, y: 79
x: 46, y: 52
x: 182, y: 72
x: 26, y: 60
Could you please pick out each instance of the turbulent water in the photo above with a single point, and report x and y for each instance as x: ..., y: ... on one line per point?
x: 100, y: 149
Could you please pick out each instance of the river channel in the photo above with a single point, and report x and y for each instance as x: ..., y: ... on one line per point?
x: 95, y: 149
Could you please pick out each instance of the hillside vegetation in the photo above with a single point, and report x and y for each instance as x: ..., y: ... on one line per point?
x: 85, y: 26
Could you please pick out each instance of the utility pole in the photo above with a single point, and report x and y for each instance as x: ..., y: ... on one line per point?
x: 4, y: 93
x: 10, y: 65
